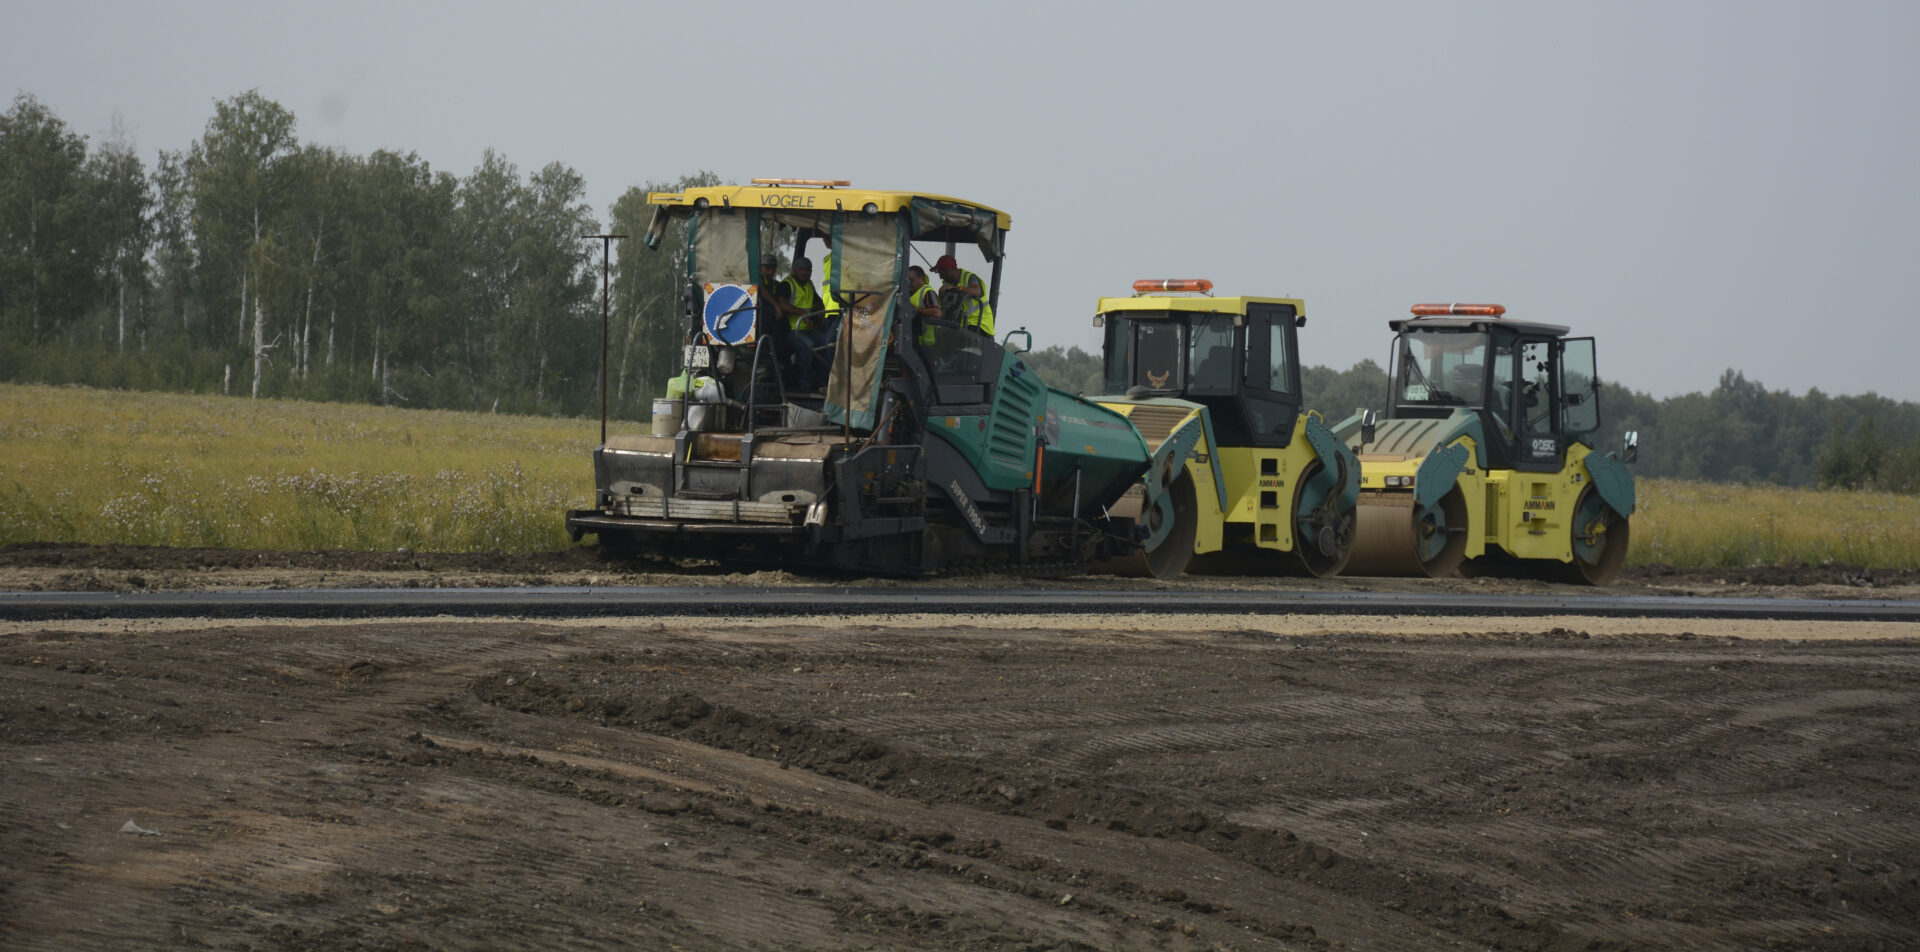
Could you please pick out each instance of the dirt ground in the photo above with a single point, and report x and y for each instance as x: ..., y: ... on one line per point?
x: 1039, y: 783
x: 82, y: 568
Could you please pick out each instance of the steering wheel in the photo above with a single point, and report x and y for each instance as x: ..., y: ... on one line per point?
x: 949, y: 298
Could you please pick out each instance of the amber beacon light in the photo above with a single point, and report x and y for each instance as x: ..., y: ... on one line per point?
x: 1459, y: 310
x: 1145, y: 285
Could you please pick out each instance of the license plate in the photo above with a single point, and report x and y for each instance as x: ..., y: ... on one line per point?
x: 697, y: 356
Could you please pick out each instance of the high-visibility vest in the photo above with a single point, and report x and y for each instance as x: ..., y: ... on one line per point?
x: 832, y: 305
x: 924, y: 297
x: 974, y: 310
x: 803, y: 297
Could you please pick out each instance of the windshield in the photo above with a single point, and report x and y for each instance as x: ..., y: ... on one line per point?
x: 1145, y: 349
x: 1441, y: 368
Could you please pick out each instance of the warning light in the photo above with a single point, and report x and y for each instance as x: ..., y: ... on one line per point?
x: 824, y: 183
x: 1459, y: 310
x: 1146, y: 285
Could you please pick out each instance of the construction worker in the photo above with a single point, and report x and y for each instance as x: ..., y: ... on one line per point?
x: 922, y: 300
x: 832, y: 305
x: 920, y: 294
x: 801, y: 305
x: 974, y: 310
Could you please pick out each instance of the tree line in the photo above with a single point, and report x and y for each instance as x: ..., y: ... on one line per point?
x: 252, y: 263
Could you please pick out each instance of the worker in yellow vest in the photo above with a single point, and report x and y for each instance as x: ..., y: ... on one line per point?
x: 922, y: 300
x: 974, y: 311
x: 800, y: 303
x: 832, y: 305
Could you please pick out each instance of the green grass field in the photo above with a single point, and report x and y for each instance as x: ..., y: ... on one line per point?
x: 1691, y: 525
x: 79, y: 465
x: 94, y: 466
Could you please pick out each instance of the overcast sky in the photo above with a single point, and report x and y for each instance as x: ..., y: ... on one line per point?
x: 1698, y: 185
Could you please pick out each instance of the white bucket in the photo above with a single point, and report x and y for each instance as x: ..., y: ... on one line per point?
x: 666, y: 417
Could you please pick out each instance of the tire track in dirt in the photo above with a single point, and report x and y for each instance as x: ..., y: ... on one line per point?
x: 950, y: 781
x: 1605, y: 860
x: 479, y: 784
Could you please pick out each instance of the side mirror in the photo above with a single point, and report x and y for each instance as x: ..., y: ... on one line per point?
x: 1023, y: 348
x: 1368, y: 419
x: 1630, y: 450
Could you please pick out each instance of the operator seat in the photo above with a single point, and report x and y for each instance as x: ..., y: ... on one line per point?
x: 1464, y: 382
x: 1215, y: 370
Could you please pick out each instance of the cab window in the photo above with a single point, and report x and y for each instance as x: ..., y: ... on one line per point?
x: 1444, y: 368
x: 1119, y: 369
x: 1269, y: 352
x: 1158, y: 355
x: 1212, y: 355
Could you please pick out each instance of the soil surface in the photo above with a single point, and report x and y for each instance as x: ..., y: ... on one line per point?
x: 74, y: 567
x: 891, y: 783
x: 1129, y: 781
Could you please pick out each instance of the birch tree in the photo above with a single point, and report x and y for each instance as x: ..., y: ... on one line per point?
x: 238, y: 175
x: 546, y: 322
x: 489, y: 206
x: 123, y: 211
x: 48, y: 245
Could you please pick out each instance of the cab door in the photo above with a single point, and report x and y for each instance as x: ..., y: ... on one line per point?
x: 1581, y: 381
x: 1539, y: 442
x: 1270, y: 394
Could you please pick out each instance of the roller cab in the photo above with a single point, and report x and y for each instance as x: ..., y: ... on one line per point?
x: 1241, y: 480
x: 1484, y: 463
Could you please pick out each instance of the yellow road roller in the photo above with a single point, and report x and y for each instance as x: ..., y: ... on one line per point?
x: 1484, y: 462
x: 1242, y: 480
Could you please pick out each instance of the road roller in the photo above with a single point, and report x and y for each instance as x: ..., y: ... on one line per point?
x: 1483, y: 463
x: 1242, y: 481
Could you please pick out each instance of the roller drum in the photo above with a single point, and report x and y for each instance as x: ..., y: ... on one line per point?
x: 1601, y: 538
x: 1169, y: 559
x: 1391, y: 531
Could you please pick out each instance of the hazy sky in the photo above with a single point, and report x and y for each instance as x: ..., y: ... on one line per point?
x: 1698, y: 185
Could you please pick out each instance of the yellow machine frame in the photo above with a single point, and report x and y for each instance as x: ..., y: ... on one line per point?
x: 1429, y: 502
x: 1256, y: 487
x: 1528, y: 514
x: 808, y: 194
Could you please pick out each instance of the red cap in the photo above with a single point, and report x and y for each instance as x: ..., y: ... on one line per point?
x: 945, y: 262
